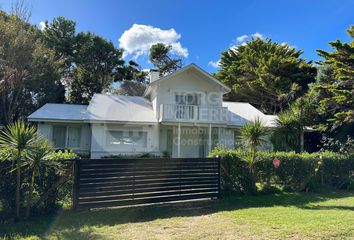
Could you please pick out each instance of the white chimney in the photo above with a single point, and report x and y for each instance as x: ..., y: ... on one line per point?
x: 154, y: 75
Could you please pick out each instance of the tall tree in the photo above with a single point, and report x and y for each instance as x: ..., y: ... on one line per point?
x: 266, y: 74
x: 133, y: 80
x: 60, y: 35
x: 336, y: 84
x: 163, y: 59
x: 97, y: 61
x: 28, y: 71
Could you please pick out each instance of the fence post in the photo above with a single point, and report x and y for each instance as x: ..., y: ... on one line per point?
x: 219, y: 179
x: 75, y: 197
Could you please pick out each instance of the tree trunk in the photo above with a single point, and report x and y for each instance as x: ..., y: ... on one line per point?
x: 18, y: 188
x: 253, y: 171
x: 29, y: 200
x: 302, y: 144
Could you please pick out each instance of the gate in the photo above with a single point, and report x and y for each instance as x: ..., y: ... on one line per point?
x: 125, y: 182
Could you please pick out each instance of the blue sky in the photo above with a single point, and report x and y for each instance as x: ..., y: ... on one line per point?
x: 200, y: 30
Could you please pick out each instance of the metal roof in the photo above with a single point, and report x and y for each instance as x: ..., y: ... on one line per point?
x: 241, y: 112
x: 60, y: 112
x: 116, y: 108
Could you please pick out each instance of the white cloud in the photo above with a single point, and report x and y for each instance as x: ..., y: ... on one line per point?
x: 214, y: 64
x: 246, y: 37
x: 138, y: 39
x: 258, y: 35
x: 42, y: 25
x: 288, y: 44
x: 242, y: 38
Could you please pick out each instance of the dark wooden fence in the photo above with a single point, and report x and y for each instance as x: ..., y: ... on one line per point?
x: 124, y: 182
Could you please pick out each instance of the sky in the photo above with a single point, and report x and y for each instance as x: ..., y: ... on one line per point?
x: 199, y: 30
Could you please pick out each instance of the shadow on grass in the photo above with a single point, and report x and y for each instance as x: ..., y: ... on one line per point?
x: 69, y: 224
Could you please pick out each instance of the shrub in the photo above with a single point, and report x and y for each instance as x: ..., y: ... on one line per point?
x: 296, y: 172
x: 46, y: 178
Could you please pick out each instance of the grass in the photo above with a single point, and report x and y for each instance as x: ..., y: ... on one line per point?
x: 275, y: 216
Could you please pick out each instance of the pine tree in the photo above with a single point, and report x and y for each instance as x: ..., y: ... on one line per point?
x: 268, y: 75
x: 337, y: 91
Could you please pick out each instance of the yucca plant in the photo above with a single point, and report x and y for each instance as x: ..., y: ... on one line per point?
x: 287, y: 135
x: 38, y: 155
x: 253, y: 136
x: 16, y: 139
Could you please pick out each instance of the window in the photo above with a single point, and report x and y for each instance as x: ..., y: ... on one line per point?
x: 73, y: 140
x: 188, y: 99
x: 126, y: 138
x: 59, y: 136
x: 66, y: 136
x: 185, y: 105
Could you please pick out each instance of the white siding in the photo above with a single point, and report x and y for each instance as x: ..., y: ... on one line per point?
x: 186, y: 82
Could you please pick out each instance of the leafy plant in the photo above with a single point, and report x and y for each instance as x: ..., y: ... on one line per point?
x: 335, y: 145
x: 253, y: 135
x: 296, y: 172
x: 39, y: 155
x: 17, y: 138
x: 286, y: 136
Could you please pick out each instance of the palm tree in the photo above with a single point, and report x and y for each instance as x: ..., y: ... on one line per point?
x: 253, y: 135
x: 287, y: 135
x: 39, y: 155
x: 17, y: 138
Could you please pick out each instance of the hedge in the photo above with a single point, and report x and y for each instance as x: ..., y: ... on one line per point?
x: 296, y: 172
x: 46, y: 179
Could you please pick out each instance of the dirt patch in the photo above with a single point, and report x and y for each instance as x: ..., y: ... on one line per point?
x: 211, y: 226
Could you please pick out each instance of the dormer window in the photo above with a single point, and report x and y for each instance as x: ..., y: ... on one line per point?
x: 188, y: 99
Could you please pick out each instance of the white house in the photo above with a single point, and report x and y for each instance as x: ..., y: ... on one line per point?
x: 182, y: 114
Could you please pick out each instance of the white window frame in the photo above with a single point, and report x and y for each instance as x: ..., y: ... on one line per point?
x: 185, y: 96
x: 126, y: 131
x: 67, y: 135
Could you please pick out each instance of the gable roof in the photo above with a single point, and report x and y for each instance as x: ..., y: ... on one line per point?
x: 179, y: 71
x: 241, y: 113
x: 59, y: 112
x: 116, y: 108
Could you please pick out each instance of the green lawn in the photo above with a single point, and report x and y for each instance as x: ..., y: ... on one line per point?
x: 276, y: 216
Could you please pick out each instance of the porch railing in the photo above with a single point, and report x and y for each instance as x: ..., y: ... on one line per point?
x: 193, y: 113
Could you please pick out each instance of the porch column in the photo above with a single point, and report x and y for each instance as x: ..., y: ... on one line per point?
x: 209, y: 139
x: 179, y: 140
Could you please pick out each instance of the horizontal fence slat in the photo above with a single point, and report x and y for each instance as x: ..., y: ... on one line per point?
x: 147, y: 167
x: 146, y: 190
x: 142, y: 173
x: 145, y: 201
x: 149, y: 177
x: 146, y: 160
x: 145, y: 195
x: 145, y: 186
x: 149, y: 181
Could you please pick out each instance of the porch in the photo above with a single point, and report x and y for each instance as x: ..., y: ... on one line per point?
x: 181, y: 140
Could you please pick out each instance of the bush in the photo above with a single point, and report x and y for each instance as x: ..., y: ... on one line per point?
x: 44, y: 181
x: 49, y: 177
x: 296, y: 172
